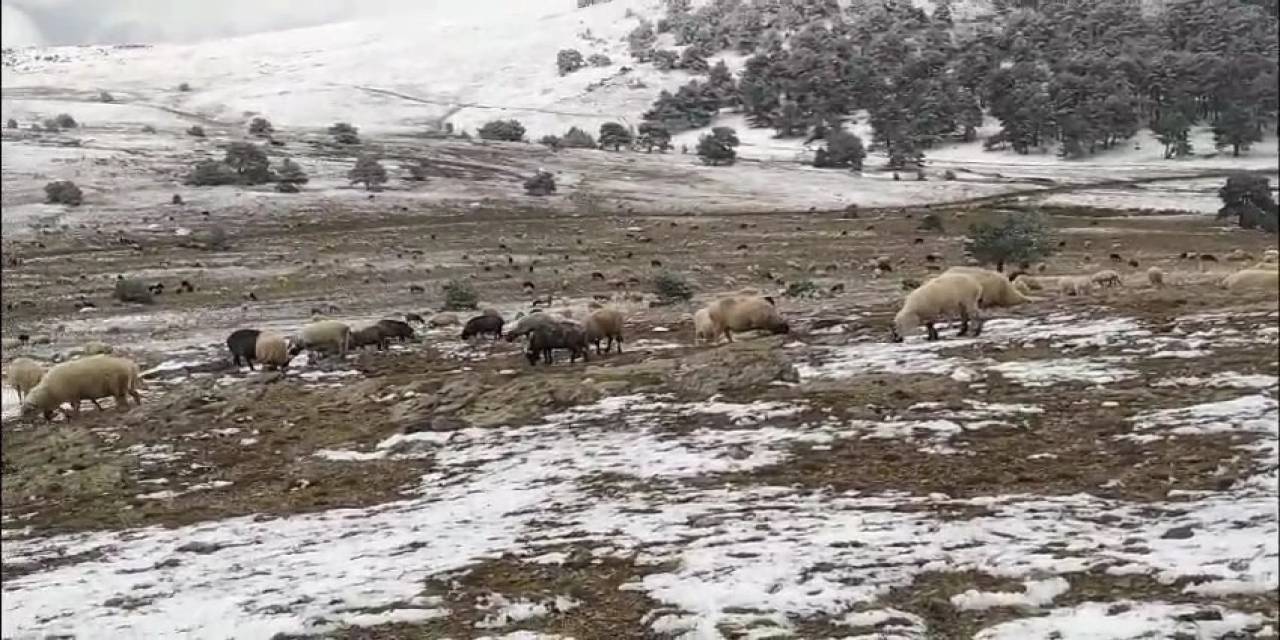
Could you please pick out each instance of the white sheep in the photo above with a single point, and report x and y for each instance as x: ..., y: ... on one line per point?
x: 271, y: 350
x: 604, y: 323
x: 950, y: 293
x: 703, y: 328
x: 1252, y: 279
x: 443, y: 319
x: 997, y: 291
x: 1106, y: 278
x: 88, y: 378
x: 95, y: 348
x: 24, y: 374
x: 324, y: 335
x: 1022, y: 286
x: 1155, y: 276
x: 1075, y: 285
x: 1271, y: 256
x: 745, y: 313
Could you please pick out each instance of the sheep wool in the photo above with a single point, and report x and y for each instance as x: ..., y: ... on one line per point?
x: 745, y: 313
x: 997, y: 291
x: 1106, y: 278
x: 328, y: 335
x: 1075, y: 285
x: 1155, y: 276
x: 605, y: 324
x: 24, y: 374
x: 88, y: 378
x: 1252, y: 279
x: 950, y: 293
x: 272, y: 350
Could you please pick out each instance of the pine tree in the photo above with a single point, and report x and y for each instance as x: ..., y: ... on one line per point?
x: 344, y: 133
x: 693, y: 60
x: 577, y: 139
x: 843, y: 149
x: 368, y: 171
x: 508, y: 130
x: 249, y: 162
x: 665, y: 59
x: 260, y: 127
x: 1247, y: 197
x: 1172, y: 131
x: 641, y: 40
x: 1236, y: 128
x: 569, y: 60
x: 717, y: 148
x: 614, y: 135
x: 651, y: 135
x: 290, y: 173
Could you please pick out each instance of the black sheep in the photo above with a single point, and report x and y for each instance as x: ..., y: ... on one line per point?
x: 366, y: 336
x: 560, y: 335
x: 397, y: 330
x: 483, y: 325
x: 243, y: 343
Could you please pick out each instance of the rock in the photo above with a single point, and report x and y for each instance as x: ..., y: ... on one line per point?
x: 1178, y: 533
x: 744, y: 364
x: 443, y: 319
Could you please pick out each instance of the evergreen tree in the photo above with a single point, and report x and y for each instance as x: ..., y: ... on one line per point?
x: 541, y: 184
x: 843, y: 149
x: 1172, y: 130
x: 641, y: 40
x: 344, y: 133
x: 665, y: 59
x: 577, y: 139
x: 507, y: 130
x: 369, y: 171
x: 693, y: 60
x: 569, y: 60
x: 289, y: 172
x: 260, y: 127
x: 614, y: 135
x: 1236, y: 128
x: 718, y: 147
x: 1020, y: 238
x: 249, y: 163
x: 651, y: 135
x: 720, y: 85
x: 1247, y: 197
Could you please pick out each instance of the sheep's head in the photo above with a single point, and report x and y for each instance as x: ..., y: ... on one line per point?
x: 780, y: 327
x: 37, y: 399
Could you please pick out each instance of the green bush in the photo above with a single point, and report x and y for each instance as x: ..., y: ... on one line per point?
x: 63, y: 192
x: 459, y: 296
x: 672, y: 287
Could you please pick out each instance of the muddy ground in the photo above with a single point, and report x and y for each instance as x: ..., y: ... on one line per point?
x: 211, y: 442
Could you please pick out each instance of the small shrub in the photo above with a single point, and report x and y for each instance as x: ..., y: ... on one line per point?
x: 103, y: 96
x: 1020, y: 238
x: 65, y: 121
x: 672, y: 287
x: 653, y: 135
x: 459, y: 296
x: 130, y: 290
x: 930, y: 222
x: 843, y: 150
x: 344, y: 133
x: 146, y: 128
x: 948, y: 175
x: 287, y: 187
x: 417, y: 171
x: 568, y: 61
x: 50, y: 125
x: 665, y: 59
x: 290, y: 173
x: 63, y: 192
x: 541, y: 184
x: 184, y: 87
x: 176, y: 199
x: 260, y: 127
x: 599, y: 60
x: 551, y: 142
x: 577, y: 139
x: 505, y: 130
x: 369, y: 171
x: 211, y: 173
x: 11, y: 124
x: 196, y: 131
x: 249, y: 162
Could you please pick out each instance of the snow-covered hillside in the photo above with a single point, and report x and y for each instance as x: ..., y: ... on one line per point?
x: 467, y: 61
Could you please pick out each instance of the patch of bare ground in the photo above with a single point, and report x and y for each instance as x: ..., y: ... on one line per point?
x: 601, y: 605
x: 929, y: 596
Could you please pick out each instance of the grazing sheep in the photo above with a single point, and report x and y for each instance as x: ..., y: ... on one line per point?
x: 1155, y: 276
x: 1106, y: 278
x: 483, y: 324
x: 1271, y: 256
x: 85, y: 379
x: 24, y: 374
x: 243, y: 343
x: 397, y: 330
x: 745, y: 313
x: 545, y: 338
x: 1134, y: 264
x: 272, y: 350
x: 413, y: 317
x: 1252, y: 279
x: 1022, y: 287
x: 1239, y: 255
x: 528, y: 323
x: 1115, y: 257
x: 1037, y: 283
x: 1208, y: 257
x: 368, y: 335
x: 1075, y: 285
x: 997, y: 291
x: 602, y: 324
x: 703, y: 328
x: 444, y: 319
x: 323, y: 335
x: 950, y: 293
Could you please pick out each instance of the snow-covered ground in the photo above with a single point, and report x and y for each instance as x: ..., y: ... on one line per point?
x: 724, y: 557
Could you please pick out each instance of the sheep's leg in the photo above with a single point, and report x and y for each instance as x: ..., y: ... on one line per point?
x: 137, y: 397
x: 977, y: 324
x: 249, y: 360
x: 932, y: 332
x: 728, y: 335
x: 75, y: 409
x: 95, y: 404
x: 586, y: 350
x: 122, y: 402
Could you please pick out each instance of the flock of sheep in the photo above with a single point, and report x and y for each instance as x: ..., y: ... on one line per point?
x: 961, y: 292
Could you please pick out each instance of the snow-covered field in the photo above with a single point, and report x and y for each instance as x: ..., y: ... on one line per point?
x: 723, y: 557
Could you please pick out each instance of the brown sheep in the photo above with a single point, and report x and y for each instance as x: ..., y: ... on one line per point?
x: 745, y: 313
x: 24, y: 374
x: 949, y: 293
x: 271, y: 350
x: 88, y: 378
x: 602, y: 324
